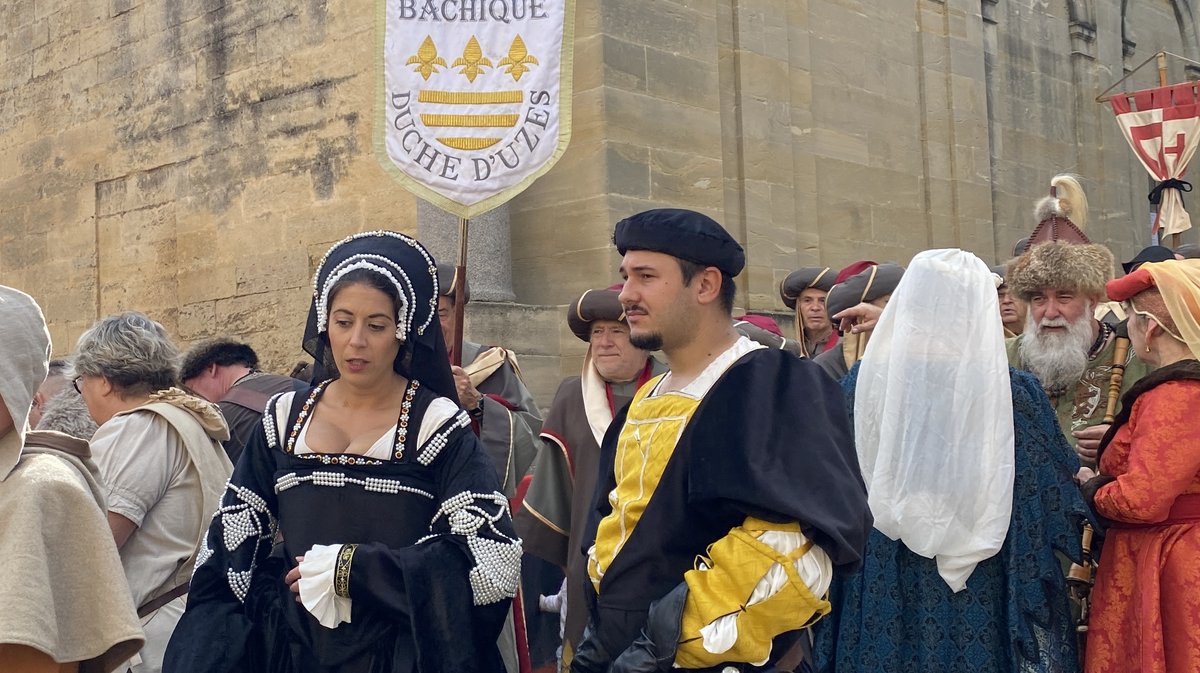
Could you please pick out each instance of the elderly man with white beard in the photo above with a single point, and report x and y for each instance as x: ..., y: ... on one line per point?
x: 1064, y: 345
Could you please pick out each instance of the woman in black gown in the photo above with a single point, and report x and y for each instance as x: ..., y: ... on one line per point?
x: 362, y: 530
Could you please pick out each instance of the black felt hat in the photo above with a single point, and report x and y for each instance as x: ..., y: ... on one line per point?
x: 818, y: 277
x: 594, y: 305
x: 680, y: 233
x: 1154, y: 253
x: 868, y: 285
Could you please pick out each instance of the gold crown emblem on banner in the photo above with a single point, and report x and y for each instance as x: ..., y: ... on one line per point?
x: 442, y: 109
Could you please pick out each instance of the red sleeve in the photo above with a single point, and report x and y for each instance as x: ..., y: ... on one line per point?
x: 1164, y: 455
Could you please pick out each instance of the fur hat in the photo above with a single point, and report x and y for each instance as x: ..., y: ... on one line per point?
x: 1083, y: 268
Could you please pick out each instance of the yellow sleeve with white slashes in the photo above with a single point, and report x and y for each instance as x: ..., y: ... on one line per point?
x: 759, y: 581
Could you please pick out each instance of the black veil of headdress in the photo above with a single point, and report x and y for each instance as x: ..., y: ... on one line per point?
x: 404, y: 262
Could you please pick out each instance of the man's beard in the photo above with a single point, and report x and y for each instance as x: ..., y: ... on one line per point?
x: 647, y: 342
x: 1057, y: 359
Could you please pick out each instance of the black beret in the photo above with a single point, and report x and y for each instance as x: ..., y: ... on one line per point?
x: 680, y: 233
x: 1155, y: 253
x: 1000, y: 270
x: 818, y: 277
x: 591, y: 306
x: 447, y: 274
x: 869, y: 285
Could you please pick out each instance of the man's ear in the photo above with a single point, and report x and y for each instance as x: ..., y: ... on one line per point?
x: 39, y: 400
x: 709, y: 288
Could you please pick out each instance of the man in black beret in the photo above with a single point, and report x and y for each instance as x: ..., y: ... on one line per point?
x: 716, y: 459
x: 804, y: 291
x: 855, y: 303
x: 553, y: 516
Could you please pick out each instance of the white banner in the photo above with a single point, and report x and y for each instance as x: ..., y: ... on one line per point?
x: 477, y: 97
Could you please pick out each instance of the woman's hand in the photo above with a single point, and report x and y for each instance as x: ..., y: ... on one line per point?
x: 292, y: 579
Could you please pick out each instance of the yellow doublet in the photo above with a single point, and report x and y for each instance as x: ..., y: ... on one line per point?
x: 652, y: 429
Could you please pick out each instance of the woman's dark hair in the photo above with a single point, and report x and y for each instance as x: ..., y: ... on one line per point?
x: 372, y: 279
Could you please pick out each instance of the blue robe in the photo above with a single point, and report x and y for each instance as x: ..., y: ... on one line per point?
x: 897, y: 614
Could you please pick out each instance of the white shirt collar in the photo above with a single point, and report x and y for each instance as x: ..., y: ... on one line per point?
x: 699, y: 388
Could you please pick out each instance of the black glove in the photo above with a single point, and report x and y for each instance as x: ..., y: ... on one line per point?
x: 590, y: 656
x: 654, y: 650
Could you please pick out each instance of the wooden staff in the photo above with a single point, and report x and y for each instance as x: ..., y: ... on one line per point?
x: 1081, y: 577
x: 460, y: 299
x: 1120, y: 351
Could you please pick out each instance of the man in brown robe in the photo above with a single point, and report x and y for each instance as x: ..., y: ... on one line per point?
x: 554, y: 513
x: 804, y: 291
x: 872, y: 286
x: 490, y: 388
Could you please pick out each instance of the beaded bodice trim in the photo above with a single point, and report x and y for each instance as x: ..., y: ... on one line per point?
x: 338, y: 480
x: 398, y: 445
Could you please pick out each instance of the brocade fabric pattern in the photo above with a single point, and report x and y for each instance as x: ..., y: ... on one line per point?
x: 897, y: 614
x: 1146, y: 602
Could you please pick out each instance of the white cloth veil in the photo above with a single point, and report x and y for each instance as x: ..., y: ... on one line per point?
x: 933, y: 416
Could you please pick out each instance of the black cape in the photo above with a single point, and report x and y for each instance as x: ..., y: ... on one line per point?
x: 771, y: 439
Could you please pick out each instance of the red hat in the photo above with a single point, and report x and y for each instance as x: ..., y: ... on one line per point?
x: 762, y: 322
x: 1129, y: 285
x: 853, y: 270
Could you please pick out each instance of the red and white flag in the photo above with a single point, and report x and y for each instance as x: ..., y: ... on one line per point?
x: 1163, y: 131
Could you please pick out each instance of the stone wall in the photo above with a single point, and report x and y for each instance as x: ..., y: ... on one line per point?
x: 194, y: 158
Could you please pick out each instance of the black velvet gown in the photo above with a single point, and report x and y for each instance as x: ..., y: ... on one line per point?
x: 430, y: 579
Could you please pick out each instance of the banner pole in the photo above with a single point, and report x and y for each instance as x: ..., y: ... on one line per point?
x: 1162, y: 81
x: 460, y: 298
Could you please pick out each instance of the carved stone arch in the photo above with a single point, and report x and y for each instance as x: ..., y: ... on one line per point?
x: 1185, y: 16
x: 1185, y: 13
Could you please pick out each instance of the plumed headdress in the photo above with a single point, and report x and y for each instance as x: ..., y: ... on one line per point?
x: 407, y: 265
x: 1062, y: 216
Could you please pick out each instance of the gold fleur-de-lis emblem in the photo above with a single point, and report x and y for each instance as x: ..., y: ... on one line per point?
x: 518, y: 59
x: 426, y: 59
x: 472, y: 60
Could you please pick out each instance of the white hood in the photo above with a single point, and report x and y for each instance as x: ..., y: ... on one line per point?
x: 24, y: 359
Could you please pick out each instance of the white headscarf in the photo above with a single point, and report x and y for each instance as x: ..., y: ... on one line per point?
x: 933, y: 415
x: 24, y: 360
